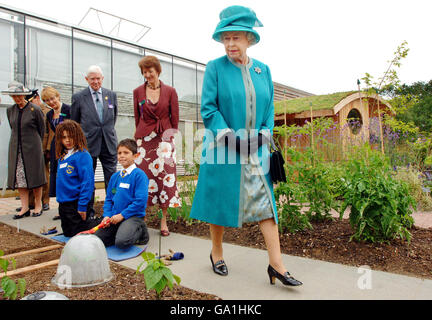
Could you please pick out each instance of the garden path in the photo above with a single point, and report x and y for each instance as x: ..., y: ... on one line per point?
x: 322, y: 280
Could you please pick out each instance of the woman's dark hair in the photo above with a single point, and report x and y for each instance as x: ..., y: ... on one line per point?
x: 75, y: 132
x: 148, y: 62
x: 129, y: 144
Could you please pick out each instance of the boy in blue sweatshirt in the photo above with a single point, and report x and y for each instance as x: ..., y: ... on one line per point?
x: 75, y: 179
x: 126, y: 201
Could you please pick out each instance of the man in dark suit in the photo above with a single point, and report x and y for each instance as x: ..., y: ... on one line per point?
x: 95, y: 108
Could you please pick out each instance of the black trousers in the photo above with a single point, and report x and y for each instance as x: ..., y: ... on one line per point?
x: 71, y: 221
x: 108, y: 162
x: 124, y: 234
x: 109, y: 167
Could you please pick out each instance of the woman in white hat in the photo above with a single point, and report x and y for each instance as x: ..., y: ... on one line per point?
x: 25, y: 161
x: 234, y: 183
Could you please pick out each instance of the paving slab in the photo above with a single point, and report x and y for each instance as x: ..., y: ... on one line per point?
x: 248, y: 279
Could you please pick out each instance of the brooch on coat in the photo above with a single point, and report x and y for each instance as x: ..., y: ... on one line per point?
x: 257, y: 70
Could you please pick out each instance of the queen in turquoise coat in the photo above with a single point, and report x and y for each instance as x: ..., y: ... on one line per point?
x: 234, y: 184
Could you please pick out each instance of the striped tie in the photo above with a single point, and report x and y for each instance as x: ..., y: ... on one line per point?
x: 123, y: 173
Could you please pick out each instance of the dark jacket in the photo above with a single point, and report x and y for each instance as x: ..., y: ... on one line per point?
x: 84, y: 112
x: 163, y: 116
x: 65, y: 113
x: 31, y: 131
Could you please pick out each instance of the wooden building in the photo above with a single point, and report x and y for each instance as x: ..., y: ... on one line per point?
x: 353, y: 111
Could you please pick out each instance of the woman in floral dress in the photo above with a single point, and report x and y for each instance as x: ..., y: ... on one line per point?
x: 156, y: 112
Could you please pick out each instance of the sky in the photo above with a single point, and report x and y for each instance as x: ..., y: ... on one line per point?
x: 316, y: 46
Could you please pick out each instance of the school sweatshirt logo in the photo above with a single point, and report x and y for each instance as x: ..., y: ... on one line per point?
x: 69, y: 169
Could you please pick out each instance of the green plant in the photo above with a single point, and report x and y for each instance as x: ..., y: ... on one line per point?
x: 308, y: 168
x: 9, y: 286
x: 187, y: 193
x: 314, y: 184
x: 291, y: 218
x: 156, y: 274
x: 415, y: 181
x: 381, y: 206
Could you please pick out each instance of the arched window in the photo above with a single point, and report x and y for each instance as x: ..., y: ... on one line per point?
x: 355, y: 121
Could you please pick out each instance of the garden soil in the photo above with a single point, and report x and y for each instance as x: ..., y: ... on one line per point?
x: 126, y: 284
x: 327, y: 241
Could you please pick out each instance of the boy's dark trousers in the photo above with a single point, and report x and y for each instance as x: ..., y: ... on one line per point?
x: 71, y: 221
x: 125, y: 234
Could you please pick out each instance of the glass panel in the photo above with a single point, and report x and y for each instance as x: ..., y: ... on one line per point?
x: 185, y: 84
x: 11, y: 68
x: 200, y: 79
x: 48, y: 64
x: 125, y: 127
x: 12, y: 62
x: 90, y: 50
x: 166, y: 64
x: 185, y: 80
x: 127, y: 75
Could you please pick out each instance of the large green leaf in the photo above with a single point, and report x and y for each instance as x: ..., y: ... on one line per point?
x: 168, y: 274
x: 4, y: 264
x: 9, y: 286
x: 177, y: 278
x: 152, y: 277
x: 160, y: 285
x: 148, y: 256
x: 22, y: 286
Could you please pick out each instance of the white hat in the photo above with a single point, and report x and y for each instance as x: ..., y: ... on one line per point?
x: 16, y: 89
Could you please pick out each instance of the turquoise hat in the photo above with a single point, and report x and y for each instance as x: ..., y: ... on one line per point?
x: 237, y: 18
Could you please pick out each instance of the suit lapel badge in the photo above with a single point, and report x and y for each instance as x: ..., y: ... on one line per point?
x: 257, y: 70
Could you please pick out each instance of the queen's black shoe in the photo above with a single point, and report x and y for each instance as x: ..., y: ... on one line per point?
x: 286, y: 278
x: 219, y: 267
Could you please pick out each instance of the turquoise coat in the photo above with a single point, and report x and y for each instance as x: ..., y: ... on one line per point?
x: 237, y: 98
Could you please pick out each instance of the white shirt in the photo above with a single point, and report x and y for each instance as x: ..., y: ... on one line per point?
x: 69, y: 153
x: 130, y: 169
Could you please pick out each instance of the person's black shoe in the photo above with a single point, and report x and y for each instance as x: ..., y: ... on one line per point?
x: 20, y: 216
x: 286, y: 278
x: 57, y: 217
x: 219, y: 267
x: 37, y: 214
x: 19, y: 209
x: 45, y: 207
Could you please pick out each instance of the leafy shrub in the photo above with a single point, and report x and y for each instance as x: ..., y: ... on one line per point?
x: 291, y: 218
x: 415, y: 181
x: 314, y: 183
x: 380, y: 205
x: 186, y: 194
x: 9, y: 286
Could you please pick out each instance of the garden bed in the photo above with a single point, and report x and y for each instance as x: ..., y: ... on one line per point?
x: 329, y: 241
x: 126, y: 285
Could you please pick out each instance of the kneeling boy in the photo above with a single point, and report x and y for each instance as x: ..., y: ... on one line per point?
x: 126, y: 201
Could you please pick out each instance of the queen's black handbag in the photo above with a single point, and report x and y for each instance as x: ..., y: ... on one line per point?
x: 277, y: 170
